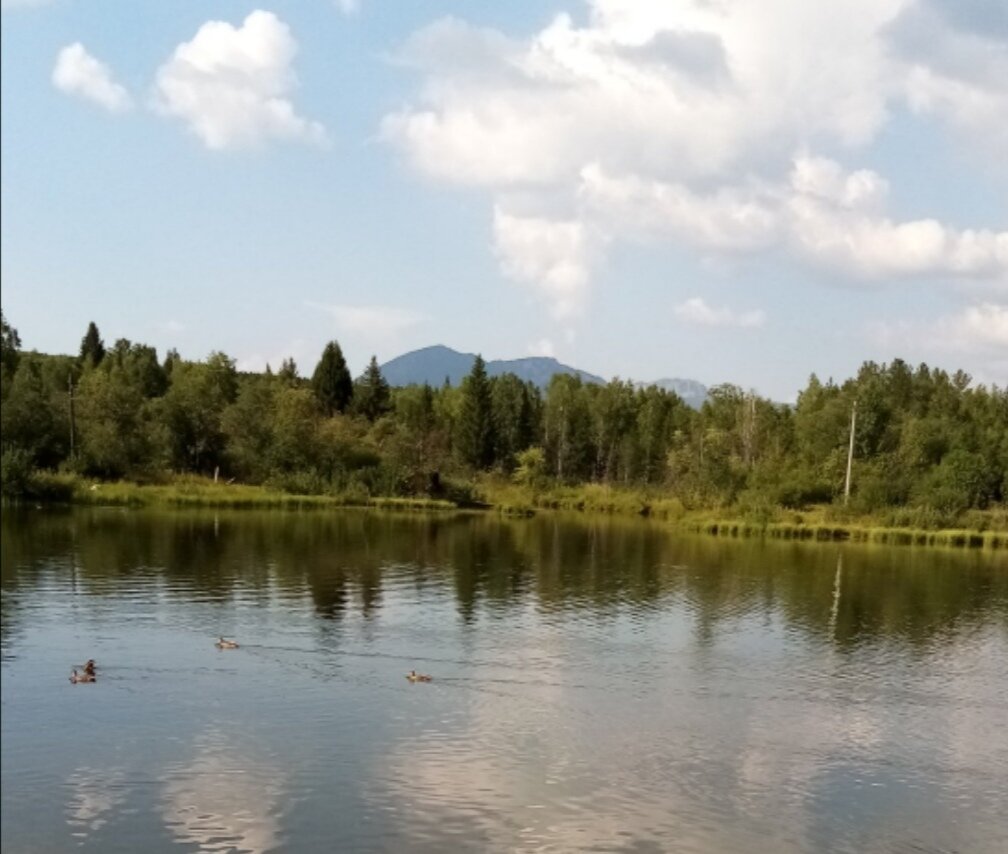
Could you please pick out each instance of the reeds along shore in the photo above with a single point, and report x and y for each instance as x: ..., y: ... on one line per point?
x: 985, y: 529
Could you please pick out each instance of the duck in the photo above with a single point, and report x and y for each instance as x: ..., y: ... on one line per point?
x: 76, y: 677
x: 226, y: 644
x: 89, y: 668
x: 413, y: 676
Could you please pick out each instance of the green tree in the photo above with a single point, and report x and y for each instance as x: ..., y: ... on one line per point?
x: 567, y: 428
x: 331, y: 381
x: 112, y: 423
x: 34, y: 418
x: 295, y: 427
x: 513, y: 414
x: 288, y: 373
x: 248, y: 425
x: 192, y: 411
x: 92, y: 348
x: 475, y: 427
x: 10, y: 347
x: 372, y: 397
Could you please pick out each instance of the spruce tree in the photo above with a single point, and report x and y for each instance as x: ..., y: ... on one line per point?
x: 331, y: 381
x: 372, y: 394
x: 92, y: 348
x: 476, y: 437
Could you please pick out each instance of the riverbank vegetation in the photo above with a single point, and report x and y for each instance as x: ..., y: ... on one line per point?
x: 119, y: 425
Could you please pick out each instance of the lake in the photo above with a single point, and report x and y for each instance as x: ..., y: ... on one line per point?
x: 598, y: 684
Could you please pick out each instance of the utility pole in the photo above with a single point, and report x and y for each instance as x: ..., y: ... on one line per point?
x: 850, y: 453
x: 73, y: 426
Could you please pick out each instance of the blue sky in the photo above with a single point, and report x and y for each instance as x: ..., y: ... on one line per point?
x: 641, y: 189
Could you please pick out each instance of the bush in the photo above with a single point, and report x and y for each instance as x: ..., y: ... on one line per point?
x: 16, y: 472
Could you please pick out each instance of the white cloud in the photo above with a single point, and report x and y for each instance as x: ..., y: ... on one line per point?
x: 692, y: 122
x: 976, y: 333
x: 695, y: 310
x: 728, y: 219
x: 553, y: 255
x: 835, y: 220
x: 955, y: 57
x: 77, y: 72
x: 231, y: 85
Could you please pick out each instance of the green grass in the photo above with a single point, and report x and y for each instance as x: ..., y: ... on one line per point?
x: 824, y: 523
x: 982, y: 529
x: 192, y: 491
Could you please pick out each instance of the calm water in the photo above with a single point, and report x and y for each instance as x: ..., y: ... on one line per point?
x: 598, y: 685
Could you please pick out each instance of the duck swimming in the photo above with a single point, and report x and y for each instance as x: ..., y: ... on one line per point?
x: 226, y: 644
x: 76, y: 677
x: 413, y: 676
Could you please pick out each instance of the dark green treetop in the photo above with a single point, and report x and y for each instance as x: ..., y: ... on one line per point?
x: 92, y: 349
x: 476, y: 438
x: 372, y: 397
x: 331, y: 381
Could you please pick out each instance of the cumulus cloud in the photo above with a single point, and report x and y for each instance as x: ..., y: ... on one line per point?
x: 976, y: 333
x: 551, y: 254
x: 689, y: 122
x: 835, y: 219
x: 231, y: 85
x: 740, y: 218
x: 695, y: 310
x: 77, y: 72
x: 956, y: 58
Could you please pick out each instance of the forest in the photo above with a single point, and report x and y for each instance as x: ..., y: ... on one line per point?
x: 929, y: 446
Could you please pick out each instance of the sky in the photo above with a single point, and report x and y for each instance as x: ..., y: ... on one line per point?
x: 721, y: 190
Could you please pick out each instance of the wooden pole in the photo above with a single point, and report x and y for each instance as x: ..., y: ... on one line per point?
x: 850, y: 453
x: 73, y: 426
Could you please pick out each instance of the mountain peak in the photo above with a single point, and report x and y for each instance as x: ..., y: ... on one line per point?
x: 437, y: 363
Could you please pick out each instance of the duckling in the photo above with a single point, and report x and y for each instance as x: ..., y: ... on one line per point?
x: 413, y: 676
x: 226, y: 644
x: 89, y: 668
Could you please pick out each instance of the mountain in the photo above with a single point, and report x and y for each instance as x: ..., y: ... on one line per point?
x: 432, y: 364
x: 692, y: 392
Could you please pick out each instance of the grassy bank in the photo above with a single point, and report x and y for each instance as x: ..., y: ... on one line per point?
x: 826, y: 523
x: 191, y: 491
x: 975, y: 529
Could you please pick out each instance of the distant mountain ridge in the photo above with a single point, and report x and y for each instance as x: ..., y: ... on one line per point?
x: 433, y: 365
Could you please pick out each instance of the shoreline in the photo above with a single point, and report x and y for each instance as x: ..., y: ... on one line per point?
x: 595, y: 500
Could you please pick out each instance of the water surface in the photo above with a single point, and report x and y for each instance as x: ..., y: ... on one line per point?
x: 598, y: 684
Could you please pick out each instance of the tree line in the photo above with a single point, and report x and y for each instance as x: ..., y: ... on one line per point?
x: 924, y: 438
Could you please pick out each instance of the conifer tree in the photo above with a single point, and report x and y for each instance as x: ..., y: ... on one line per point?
x: 476, y: 437
x: 92, y: 349
x: 371, y: 394
x: 331, y: 381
